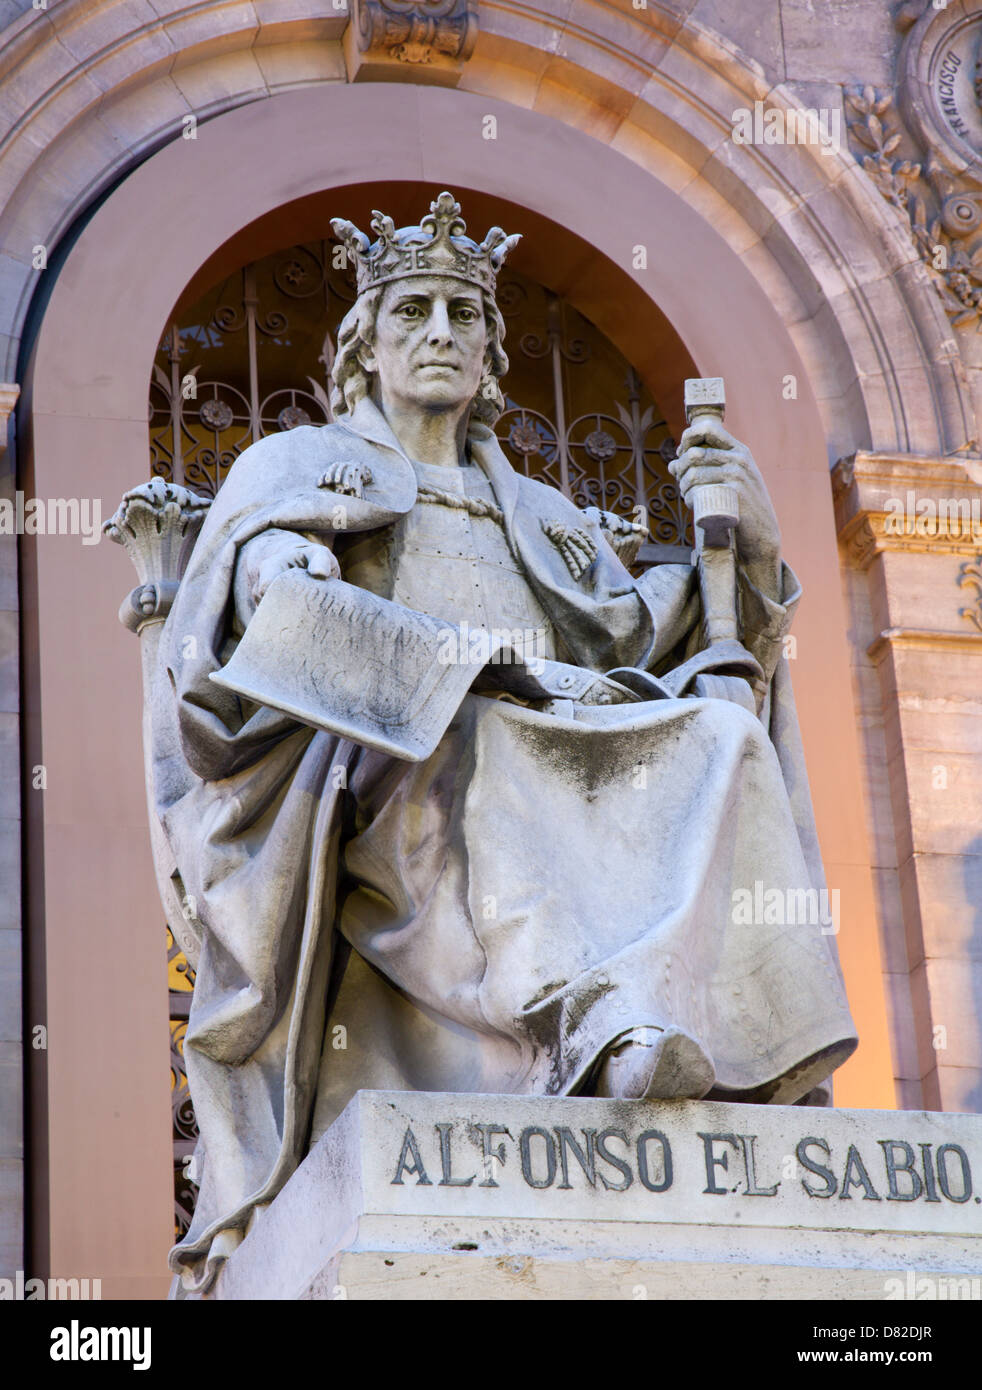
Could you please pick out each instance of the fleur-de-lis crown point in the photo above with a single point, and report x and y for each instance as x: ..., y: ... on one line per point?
x: 437, y: 246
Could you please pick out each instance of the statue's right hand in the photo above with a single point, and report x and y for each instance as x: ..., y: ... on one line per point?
x: 317, y: 560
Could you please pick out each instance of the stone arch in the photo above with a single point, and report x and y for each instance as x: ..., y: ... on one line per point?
x: 102, y: 87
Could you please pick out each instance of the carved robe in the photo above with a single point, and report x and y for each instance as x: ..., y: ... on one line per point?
x: 490, y: 919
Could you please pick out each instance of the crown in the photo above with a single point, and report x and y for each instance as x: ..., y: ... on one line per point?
x: 437, y: 246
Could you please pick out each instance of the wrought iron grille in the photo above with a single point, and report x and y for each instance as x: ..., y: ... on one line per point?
x: 180, y: 979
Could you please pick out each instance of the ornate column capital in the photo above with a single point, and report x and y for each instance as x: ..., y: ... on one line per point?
x: 400, y: 40
x: 908, y: 503
x: 158, y: 523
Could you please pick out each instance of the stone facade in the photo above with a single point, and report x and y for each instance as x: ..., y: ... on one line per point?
x: 804, y: 275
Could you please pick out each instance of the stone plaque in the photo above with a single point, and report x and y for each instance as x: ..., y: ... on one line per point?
x: 595, y: 1198
x: 941, y: 83
x: 954, y: 78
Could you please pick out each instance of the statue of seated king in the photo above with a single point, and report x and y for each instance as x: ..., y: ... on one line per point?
x: 432, y: 772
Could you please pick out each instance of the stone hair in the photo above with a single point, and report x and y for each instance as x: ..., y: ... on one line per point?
x: 350, y: 381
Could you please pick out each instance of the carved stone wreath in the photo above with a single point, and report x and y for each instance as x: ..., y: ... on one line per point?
x: 936, y: 117
x: 944, y: 217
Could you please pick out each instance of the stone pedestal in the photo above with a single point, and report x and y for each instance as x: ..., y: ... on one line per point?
x: 412, y: 1195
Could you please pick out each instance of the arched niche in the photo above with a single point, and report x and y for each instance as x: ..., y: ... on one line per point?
x: 94, y: 919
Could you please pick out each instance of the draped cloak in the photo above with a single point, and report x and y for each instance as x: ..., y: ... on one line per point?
x: 492, y: 918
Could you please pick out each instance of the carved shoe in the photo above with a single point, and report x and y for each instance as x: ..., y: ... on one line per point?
x: 651, y: 1064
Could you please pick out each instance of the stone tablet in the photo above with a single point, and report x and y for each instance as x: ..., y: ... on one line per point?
x: 414, y: 1195
x: 344, y: 660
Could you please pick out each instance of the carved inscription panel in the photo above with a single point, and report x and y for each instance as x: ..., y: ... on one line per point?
x: 674, y: 1161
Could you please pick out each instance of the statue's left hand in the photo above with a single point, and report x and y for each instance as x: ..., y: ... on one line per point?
x: 708, y: 453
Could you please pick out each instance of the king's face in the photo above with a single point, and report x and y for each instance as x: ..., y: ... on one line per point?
x: 430, y: 341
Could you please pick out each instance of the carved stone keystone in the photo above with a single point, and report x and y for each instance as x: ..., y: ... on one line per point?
x: 389, y: 40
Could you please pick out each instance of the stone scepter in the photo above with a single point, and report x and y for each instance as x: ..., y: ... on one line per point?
x: 715, y: 513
